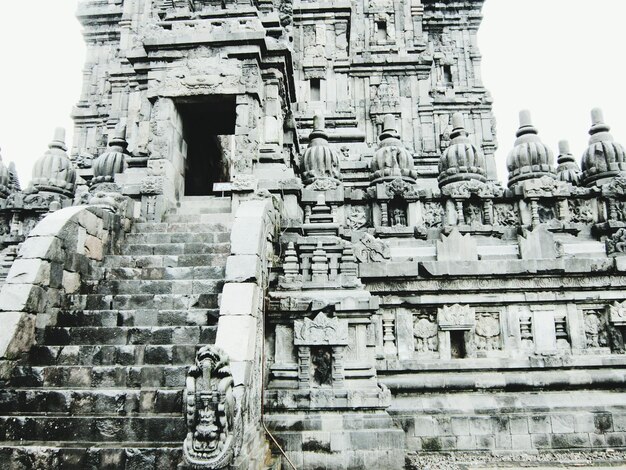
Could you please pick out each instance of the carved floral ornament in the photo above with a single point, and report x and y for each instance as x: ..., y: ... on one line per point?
x: 213, y: 414
x: 456, y: 317
x: 321, y: 331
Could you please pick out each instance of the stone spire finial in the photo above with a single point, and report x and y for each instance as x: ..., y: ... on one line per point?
x: 458, y: 125
x: 118, y: 141
x: 390, y: 128
x: 526, y: 124
x: 604, y: 158
x: 54, y: 171
x: 461, y: 160
x: 319, y: 122
x: 530, y: 158
x: 58, y: 141
x: 392, y: 160
x: 597, y: 122
x: 567, y: 170
x: 320, y: 160
x: 113, y: 161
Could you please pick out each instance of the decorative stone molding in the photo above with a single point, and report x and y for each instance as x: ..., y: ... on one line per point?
x: 546, y: 187
x: 467, y: 189
x: 456, y: 317
x: 214, y: 424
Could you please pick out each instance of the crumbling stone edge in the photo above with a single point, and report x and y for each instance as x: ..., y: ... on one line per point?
x: 50, y: 265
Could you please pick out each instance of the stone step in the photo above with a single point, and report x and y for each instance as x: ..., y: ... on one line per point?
x: 143, y: 301
x: 156, y: 287
x: 142, y: 317
x: 185, y: 237
x: 201, y: 224
x: 87, y: 335
x: 91, y: 455
x: 195, y: 205
x: 159, y: 274
x: 99, y: 376
x: 111, y: 355
x: 175, y: 248
x: 121, y: 402
x: 93, y: 428
x: 165, y: 261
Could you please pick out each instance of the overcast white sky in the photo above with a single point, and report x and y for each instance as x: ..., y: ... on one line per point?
x: 558, y: 58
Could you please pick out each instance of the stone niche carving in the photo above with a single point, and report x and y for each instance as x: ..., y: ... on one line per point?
x: 505, y: 215
x: 357, y: 218
x: 321, y: 343
x: 456, y: 317
x: 213, y: 414
x: 595, y: 328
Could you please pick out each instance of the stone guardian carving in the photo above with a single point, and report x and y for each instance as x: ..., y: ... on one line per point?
x: 213, y: 414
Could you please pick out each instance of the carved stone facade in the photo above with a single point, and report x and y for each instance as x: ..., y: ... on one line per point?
x: 381, y: 292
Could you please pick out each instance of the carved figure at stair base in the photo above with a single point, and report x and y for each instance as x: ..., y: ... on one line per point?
x: 213, y: 414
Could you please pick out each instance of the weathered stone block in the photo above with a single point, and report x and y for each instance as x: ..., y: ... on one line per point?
x: 29, y: 271
x: 460, y: 426
x: 22, y: 297
x: 616, y: 439
x: 93, y: 248
x: 243, y: 268
x: 518, y: 425
x: 569, y: 441
x: 481, y: 426
x: 239, y: 299
x: 71, y: 282
x: 540, y: 441
x: 17, y: 333
x: 562, y: 424
x: 48, y: 248
x: 236, y: 335
x: 521, y: 442
x: 603, y: 422
x: 426, y: 426
x: 540, y: 424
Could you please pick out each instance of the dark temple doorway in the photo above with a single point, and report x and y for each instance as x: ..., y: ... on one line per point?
x: 208, y: 124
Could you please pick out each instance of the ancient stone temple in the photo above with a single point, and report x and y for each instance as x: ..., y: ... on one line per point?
x: 278, y: 241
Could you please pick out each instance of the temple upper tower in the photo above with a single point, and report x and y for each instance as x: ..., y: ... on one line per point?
x: 417, y: 60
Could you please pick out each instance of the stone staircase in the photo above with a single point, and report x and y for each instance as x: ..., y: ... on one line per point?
x: 103, y: 387
x: 7, y: 256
